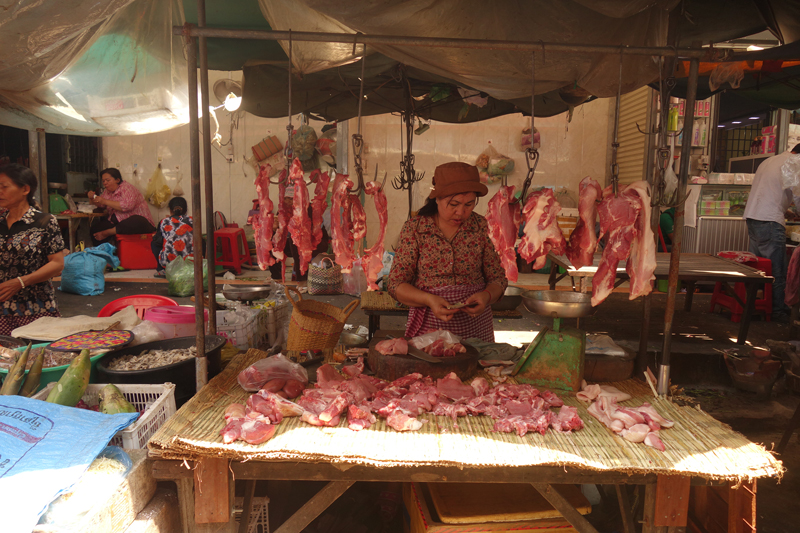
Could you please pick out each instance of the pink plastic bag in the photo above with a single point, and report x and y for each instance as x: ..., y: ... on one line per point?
x: 278, y: 366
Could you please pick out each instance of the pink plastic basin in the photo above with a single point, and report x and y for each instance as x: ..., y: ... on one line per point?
x: 174, y: 321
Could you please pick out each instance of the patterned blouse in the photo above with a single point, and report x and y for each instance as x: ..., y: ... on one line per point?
x: 424, y: 258
x: 131, y: 201
x: 23, y: 250
x: 173, y: 238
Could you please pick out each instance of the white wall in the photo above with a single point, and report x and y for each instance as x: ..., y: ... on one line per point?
x: 569, y: 152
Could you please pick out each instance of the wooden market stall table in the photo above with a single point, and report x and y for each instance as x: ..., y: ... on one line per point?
x: 188, y: 449
x: 376, y: 304
x: 693, y: 268
x: 74, y: 220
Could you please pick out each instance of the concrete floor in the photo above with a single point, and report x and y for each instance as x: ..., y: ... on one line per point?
x: 697, y: 365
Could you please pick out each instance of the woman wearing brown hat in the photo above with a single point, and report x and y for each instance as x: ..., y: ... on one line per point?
x: 445, y: 258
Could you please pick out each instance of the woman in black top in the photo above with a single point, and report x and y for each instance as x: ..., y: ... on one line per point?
x: 31, y: 252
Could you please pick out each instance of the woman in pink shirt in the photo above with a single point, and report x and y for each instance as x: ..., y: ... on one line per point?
x: 128, y: 213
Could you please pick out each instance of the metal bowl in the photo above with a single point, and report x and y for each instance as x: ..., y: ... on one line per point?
x: 246, y: 294
x: 561, y: 304
x: 351, y: 339
x: 510, y: 299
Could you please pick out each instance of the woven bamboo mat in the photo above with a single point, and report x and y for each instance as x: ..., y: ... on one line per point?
x: 380, y: 301
x: 698, y: 445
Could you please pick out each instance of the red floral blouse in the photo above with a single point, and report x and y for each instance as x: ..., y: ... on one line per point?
x: 424, y: 258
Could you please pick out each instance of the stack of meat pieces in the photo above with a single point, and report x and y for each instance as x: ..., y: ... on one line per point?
x: 635, y: 424
x: 256, y: 421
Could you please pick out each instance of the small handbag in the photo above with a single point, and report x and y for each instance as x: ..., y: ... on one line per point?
x: 325, y: 279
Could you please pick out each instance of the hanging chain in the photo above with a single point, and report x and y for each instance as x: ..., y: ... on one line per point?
x: 532, y: 153
x: 615, y: 144
x: 358, y: 140
x: 287, y: 151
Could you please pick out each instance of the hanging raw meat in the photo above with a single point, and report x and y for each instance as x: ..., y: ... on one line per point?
x: 583, y: 241
x: 300, y: 223
x: 542, y: 234
x: 262, y: 222
x: 372, y: 261
x: 618, y: 221
x: 504, y: 219
x: 359, y: 221
x: 319, y: 204
x: 341, y: 226
x: 642, y: 262
x: 284, y: 214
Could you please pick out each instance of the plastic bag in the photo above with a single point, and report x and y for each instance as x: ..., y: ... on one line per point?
x: 105, y: 473
x: 277, y: 366
x: 790, y: 171
x: 525, y: 139
x: 355, y: 281
x: 732, y: 73
x: 145, y: 332
x: 304, y: 143
x: 84, y: 271
x: 157, y: 192
x: 178, y: 190
x: 423, y: 341
x: 180, y: 276
x: 492, y: 165
x: 565, y: 199
x: 603, y: 344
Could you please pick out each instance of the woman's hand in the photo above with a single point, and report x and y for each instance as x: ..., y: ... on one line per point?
x: 9, y: 288
x: 475, y: 304
x: 438, y: 307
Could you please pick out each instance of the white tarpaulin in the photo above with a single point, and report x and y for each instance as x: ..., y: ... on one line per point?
x: 502, y: 74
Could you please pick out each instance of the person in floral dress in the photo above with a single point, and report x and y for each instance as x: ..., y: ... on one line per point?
x: 445, y: 257
x: 173, y: 237
x: 31, y: 252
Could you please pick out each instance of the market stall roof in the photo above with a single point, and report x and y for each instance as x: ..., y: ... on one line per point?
x: 104, y: 67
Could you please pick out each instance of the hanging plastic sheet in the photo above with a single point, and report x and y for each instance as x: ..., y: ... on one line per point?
x: 107, y: 67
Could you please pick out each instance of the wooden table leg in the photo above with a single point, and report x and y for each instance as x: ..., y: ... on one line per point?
x: 793, y: 423
x: 628, y: 522
x: 186, y: 503
x: 747, y: 314
x: 566, y: 509
x: 314, y: 507
x: 687, y: 302
x: 672, y: 501
x: 373, y: 324
x: 648, y: 518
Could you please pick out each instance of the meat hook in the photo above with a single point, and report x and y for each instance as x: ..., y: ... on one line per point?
x: 358, y: 140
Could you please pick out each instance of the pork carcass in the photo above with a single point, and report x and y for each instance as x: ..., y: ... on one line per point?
x: 642, y: 262
x: 372, y: 260
x: 262, y: 222
x: 319, y: 204
x: 583, y: 241
x: 542, y: 234
x: 618, y: 216
x: 341, y: 230
x: 300, y: 224
x: 359, y: 218
x: 284, y: 215
x: 504, y: 217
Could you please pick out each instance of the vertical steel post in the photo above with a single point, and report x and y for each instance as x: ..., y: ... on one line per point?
x: 44, y: 190
x: 209, y: 186
x: 675, y: 258
x: 201, y: 364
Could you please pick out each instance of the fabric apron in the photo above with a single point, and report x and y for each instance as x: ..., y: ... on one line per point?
x: 422, y: 320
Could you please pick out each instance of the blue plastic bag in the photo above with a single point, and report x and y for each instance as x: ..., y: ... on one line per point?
x: 84, y: 271
x: 44, y: 449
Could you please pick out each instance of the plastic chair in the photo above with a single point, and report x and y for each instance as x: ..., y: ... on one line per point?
x: 233, y: 245
x: 140, y: 302
x: 763, y: 304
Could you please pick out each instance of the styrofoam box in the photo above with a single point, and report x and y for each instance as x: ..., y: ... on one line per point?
x: 157, y: 402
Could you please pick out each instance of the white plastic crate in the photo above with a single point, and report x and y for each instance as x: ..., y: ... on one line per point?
x: 157, y: 401
x: 243, y: 336
x: 259, y: 514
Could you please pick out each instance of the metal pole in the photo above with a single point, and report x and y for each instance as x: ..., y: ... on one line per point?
x: 675, y: 258
x: 44, y: 189
x: 201, y: 364
x: 441, y: 42
x: 209, y: 186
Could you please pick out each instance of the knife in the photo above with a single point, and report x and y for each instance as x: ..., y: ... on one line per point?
x: 419, y: 354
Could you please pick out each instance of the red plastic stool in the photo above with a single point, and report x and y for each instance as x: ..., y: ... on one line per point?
x: 763, y: 304
x: 233, y: 245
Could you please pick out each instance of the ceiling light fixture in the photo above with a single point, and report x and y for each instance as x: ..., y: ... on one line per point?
x: 736, y: 122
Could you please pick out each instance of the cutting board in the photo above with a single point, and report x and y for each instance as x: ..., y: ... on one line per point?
x: 475, y: 503
x: 391, y: 367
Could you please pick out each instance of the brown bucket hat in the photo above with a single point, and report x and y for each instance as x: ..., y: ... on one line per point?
x: 456, y: 178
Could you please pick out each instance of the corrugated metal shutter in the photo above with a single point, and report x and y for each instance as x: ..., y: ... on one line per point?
x: 631, y: 154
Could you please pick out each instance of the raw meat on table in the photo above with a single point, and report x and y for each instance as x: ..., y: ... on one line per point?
x: 262, y: 222
x: 503, y: 217
x: 583, y: 240
x: 300, y: 224
x: 542, y: 234
x: 319, y: 204
x: 392, y: 346
x: 372, y: 260
x: 341, y: 230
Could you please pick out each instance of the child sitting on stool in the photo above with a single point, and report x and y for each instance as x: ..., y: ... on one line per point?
x: 173, y: 237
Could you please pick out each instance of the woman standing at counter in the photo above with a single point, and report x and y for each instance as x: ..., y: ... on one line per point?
x: 31, y: 252
x: 445, y: 258
x: 125, y: 206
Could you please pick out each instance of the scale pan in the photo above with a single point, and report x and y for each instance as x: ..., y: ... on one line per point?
x: 558, y: 304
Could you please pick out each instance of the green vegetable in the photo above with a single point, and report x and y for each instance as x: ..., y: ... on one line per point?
x: 16, y: 374
x: 34, y: 376
x: 113, y: 402
x: 70, y: 388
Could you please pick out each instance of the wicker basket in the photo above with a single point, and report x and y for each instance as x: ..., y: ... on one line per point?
x: 325, y: 280
x: 315, y: 325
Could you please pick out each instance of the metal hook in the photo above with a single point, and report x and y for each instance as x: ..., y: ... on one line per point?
x: 615, y: 143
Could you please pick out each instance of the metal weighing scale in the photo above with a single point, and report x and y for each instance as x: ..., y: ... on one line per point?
x: 555, y: 358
